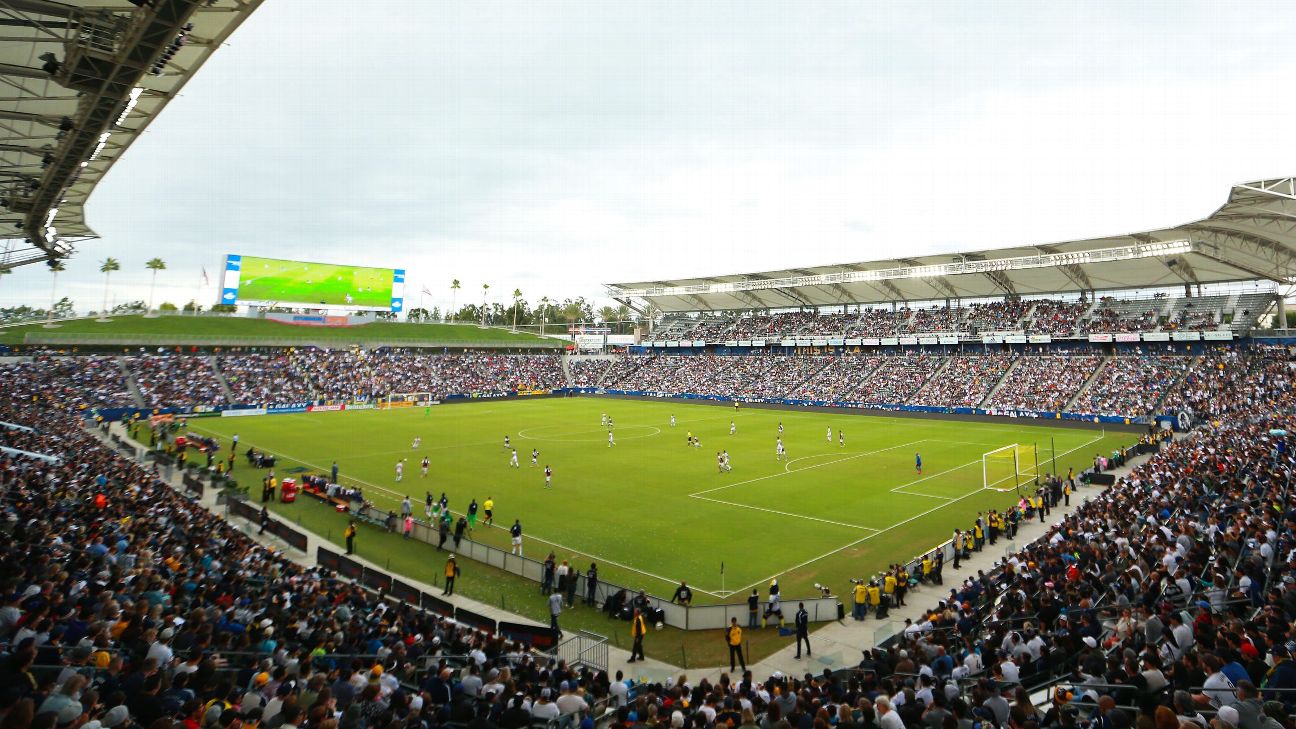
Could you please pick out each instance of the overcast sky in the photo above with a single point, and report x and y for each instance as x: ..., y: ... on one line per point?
x: 557, y: 146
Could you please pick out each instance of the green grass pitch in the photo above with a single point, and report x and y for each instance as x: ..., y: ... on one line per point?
x: 272, y: 279
x: 653, y: 511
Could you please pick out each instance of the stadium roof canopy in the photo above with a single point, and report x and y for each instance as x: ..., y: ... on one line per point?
x: 1252, y: 237
x: 79, y: 82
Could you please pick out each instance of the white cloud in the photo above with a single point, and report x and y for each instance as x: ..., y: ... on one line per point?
x: 557, y: 146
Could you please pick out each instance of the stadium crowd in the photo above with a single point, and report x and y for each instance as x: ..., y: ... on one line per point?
x: 1043, y: 382
x: 1166, y: 601
x: 123, y: 604
x: 176, y: 379
x: 965, y: 380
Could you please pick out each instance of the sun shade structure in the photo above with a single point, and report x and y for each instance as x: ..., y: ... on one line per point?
x: 1252, y: 237
x: 79, y: 82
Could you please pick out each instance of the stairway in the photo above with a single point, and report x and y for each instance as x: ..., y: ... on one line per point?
x: 131, y: 385
x: 1102, y: 367
x: 565, y: 359
x: 220, y: 378
x: 827, y: 362
x: 1000, y: 383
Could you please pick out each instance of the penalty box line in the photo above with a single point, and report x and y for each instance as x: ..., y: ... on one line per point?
x: 400, y: 497
x: 880, y: 532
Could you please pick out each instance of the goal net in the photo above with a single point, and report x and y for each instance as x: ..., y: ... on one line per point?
x: 405, y: 400
x: 1009, y: 468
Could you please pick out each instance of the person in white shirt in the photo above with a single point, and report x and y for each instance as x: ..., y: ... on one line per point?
x: 887, y: 716
x: 544, y: 709
x: 1009, y: 670
x: 569, y: 703
x: 618, y: 690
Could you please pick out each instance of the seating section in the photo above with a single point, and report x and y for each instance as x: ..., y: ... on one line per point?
x: 1162, y: 600
x: 965, y: 382
x: 588, y: 372
x: 176, y: 379
x: 1132, y: 385
x: 1057, y: 318
x: 1043, y: 382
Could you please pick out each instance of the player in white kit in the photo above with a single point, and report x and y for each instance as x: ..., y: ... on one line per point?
x: 603, y: 421
x: 841, y: 437
x: 733, y: 427
x: 400, y: 470
x: 417, y: 442
x: 513, y: 458
x: 830, y: 435
x: 535, y: 456
x: 672, y: 421
x: 506, y: 443
x: 611, y: 439
x: 779, y: 452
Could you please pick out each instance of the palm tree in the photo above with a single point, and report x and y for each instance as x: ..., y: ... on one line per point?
x: 517, y: 299
x: 454, y: 288
x: 106, y: 268
x: 56, y: 267
x: 154, y: 265
x: 544, y: 313
x: 608, y: 315
x: 485, y: 288
x: 623, y: 316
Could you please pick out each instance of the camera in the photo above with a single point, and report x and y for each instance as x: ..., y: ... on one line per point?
x: 824, y: 590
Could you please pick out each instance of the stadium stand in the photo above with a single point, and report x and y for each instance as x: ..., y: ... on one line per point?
x: 1169, y: 594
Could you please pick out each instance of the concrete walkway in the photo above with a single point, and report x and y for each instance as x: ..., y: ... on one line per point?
x: 837, y: 644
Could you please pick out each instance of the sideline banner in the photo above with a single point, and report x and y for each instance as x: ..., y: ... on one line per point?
x: 245, y: 411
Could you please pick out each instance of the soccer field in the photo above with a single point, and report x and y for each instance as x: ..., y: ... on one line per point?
x: 653, y: 511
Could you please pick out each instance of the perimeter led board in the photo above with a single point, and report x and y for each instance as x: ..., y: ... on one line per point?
x: 256, y: 281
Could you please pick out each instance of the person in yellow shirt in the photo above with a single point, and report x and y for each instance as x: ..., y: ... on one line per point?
x: 489, y: 507
x: 638, y: 629
x: 861, y: 600
x: 733, y: 637
x: 875, y: 598
x: 889, y: 584
x: 926, y: 567
x: 349, y: 534
x: 451, y: 572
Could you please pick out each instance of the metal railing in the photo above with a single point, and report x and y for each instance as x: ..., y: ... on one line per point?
x: 584, y: 649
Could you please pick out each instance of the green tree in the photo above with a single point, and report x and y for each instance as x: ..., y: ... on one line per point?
x: 168, y: 306
x: 544, y: 313
x: 154, y: 265
x: 517, y: 303
x: 106, y: 267
x: 454, y: 289
x: 485, y: 288
x: 417, y: 314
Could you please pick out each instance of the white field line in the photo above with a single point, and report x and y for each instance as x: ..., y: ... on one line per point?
x: 530, y: 537
x: 897, y: 490
x: 698, y: 494
x: 880, y: 532
x: 784, y: 513
x: 561, y: 437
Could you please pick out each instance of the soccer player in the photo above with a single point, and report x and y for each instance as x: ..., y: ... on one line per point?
x: 506, y: 443
x: 400, y: 470
x: 472, y: 515
x: 690, y: 438
x: 548, y: 477
x: 780, y: 427
x: 918, y: 463
x: 733, y: 427
x: 535, y: 457
x: 830, y: 435
x: 672, y: 420
x: 417, y: 442
x: 719, y: 463
x: 489, y: 508
x: 445, y: 504
x: 780, y: 453
x: 516, y: 532
x: 427, y: 504
x: 603, y: 421
x: 610, y: 424
x: 841, y: 438
x: 424, y: 467
x: 724, y: 461
x: 513, y: 458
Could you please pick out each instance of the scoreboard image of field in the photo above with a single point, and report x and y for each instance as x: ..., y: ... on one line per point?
x: 258, y: 281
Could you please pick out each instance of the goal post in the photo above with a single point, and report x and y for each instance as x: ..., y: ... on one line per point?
x: 1010, y: 467
x: 404, y: 400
